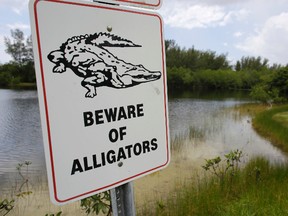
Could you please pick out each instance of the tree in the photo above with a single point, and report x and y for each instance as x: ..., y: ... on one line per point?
x: 252, y: 63
x: 19, y: 48
x: 259, y: 92
x: 170, y: 44
x: 280, y: 81
x: 273, y: 87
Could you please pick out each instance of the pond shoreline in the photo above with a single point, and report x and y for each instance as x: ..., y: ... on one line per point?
x: 21, y: 86
x: 274, y: 130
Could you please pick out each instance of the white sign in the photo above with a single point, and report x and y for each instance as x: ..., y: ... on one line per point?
x: 101, y: 81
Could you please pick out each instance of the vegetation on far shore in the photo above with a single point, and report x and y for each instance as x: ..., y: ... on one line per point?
x: 190, y: 69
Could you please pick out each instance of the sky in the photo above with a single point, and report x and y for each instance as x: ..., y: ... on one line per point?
x: 235, y: 28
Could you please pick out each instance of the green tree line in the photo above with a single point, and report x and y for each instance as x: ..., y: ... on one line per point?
x: 190, y: 69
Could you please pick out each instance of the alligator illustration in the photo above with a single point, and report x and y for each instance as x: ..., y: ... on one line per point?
x: 87, y: 56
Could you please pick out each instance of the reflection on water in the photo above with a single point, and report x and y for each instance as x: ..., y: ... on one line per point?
x: 206, y: 125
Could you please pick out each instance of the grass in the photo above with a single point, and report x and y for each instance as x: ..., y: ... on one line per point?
x: 282, y: 118
x: 25, y: 86
x: 273, y: 124
x: 31, y: 197
x: 193, y: 135
x: 258, y: 189
x: 250, y: 109
x: 38, y: 203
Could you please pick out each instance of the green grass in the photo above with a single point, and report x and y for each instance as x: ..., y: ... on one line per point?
x: 273, y: 124
x: 25, y: 86
x: 282, y: 118
x: 257, y: 189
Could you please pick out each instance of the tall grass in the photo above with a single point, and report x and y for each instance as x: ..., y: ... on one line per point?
x: 267, y: 125
x: 258, y: 189
x: 192, y: 137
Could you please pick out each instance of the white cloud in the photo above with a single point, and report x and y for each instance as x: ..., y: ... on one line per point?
x: 17, y: 10
x: 187, y: 15
x: 271, y: 41
x: 238, y: 34
x: 4, y: 57
x: 17, y: 6
x: 213, y: 2
x: 20, y: 26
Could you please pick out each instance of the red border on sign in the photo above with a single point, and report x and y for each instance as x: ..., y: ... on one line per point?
x: 141, y: 3
x: 46, y: 101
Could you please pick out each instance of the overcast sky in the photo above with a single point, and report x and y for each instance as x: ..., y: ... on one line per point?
x: 233, y: 27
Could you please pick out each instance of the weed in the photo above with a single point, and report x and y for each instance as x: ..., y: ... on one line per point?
x: 6, y: 206
x: 232, y: 160
x: 97, y: 203
x: 259, y: 188
x: 57, y: 214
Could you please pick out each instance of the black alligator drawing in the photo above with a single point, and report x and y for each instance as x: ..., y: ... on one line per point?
x: 87, y: 57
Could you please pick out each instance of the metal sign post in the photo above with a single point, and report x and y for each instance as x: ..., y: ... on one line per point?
x: 122, y: 200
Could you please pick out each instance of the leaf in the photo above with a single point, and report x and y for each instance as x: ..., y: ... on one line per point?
x: 59, y: 213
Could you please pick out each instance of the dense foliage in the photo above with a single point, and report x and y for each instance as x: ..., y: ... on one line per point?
x: 12, y: 74
x: 189, y: 69
x: 21, y: 68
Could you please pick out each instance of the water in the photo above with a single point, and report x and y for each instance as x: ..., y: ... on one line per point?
x: 20, y: 133
x: 212, y: 129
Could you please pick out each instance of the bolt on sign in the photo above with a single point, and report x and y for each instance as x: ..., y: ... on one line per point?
x: 151, y: 4
x: 102, y: 90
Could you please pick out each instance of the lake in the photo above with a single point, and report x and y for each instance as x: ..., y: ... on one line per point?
x: 211, y: 127
x: 207, y: 126
x: 20, y: 132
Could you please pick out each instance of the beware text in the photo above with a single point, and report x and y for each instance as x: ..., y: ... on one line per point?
x: 113, y: 114
x: 102, y: 116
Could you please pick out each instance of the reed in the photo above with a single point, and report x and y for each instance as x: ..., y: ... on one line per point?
x: 193, y: 136
x: 258, y: 189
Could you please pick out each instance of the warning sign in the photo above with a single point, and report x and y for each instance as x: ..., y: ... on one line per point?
x: 101, y: 81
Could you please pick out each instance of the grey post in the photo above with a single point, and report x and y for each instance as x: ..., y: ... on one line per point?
x: 122, y: 200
